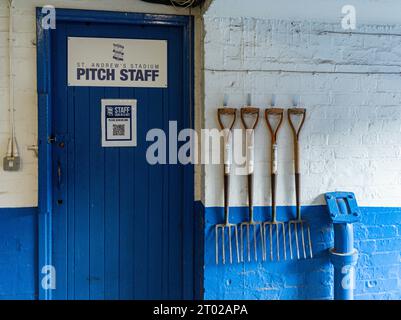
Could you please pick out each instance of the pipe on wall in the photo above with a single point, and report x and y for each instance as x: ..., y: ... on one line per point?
x: 12, y: 149
x: 344, y: 258
x: 344, y: 212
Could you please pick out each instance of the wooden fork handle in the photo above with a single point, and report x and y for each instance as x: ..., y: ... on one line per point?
x: 298, y: 111
x: 249, y: 110
x: 229, y: 111
x: 252, y: 111
x: 226, y: 111
x: 275, y: 111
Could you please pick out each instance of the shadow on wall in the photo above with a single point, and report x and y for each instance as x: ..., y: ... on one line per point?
x: 378, y: 239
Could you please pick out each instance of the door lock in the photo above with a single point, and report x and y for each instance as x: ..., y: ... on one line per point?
x: 51, y: 139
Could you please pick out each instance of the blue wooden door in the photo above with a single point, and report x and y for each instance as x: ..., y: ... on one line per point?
x: 122, y: 229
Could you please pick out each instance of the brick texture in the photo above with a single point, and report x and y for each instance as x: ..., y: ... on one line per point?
x: 351, y: 141
x: 20, y: 189
x: 353, y: 128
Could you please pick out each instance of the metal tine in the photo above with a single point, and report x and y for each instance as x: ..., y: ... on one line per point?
x: 242, y: 242
x: 303, y: 239
x: 217, y: 227
x: 230, y: 245
x: 306, y: 248
x: 290, y: 239
x: 223, y: 245
x: 236, y: 242
x: 216, y: 236
x: 275, y: 236
x: 263, y: 241
x: 310, y: 243
x: 216, y: 244
x: 223, y: 242
x: 295, y: 223
x: 271, y: 241
x: 254, y: 225
x: 284, y: 243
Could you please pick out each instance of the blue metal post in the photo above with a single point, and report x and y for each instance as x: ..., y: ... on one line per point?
x: 344, y: 257
x: 343, y: 212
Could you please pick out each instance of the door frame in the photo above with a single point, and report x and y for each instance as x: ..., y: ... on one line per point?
x: 44, y: 91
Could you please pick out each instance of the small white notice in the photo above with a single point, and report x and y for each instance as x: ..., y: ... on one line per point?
x: 108, y: 62
x: 118, y: 123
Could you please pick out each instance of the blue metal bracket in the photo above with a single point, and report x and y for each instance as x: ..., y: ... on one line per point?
x: 343, y: 207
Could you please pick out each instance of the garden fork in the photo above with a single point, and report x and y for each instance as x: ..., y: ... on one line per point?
x: 231, y: 112
x: 251, y: 224
x: 278, y: 113
x: 298, y: 222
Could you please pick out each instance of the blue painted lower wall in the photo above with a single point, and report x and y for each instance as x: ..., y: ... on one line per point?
x: 377, y: 237
x: 18, y: 256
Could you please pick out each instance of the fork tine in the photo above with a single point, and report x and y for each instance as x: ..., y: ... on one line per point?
x: 278, y: 241
x: 271, y: 242
x: 296, y: 238
x: 223, y: 250
x: 290, y: 239
x: 242, y: 242
x: 254, y: 242
x: 251, y: 235
x: 263, y: 243
x: 223, y: 246
x: 310, y: 243
x: 216, y: 234
x: 284, y: 241
x: 248, y: 245
x: 230, y: 245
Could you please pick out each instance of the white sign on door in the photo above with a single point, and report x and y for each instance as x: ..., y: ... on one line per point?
x: 118, y: 123
x: 97, y: 62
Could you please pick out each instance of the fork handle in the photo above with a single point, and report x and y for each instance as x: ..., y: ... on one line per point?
x: 226, y: 111
x: 273, y: 186
x: 298, y: 194
x: 250, y: 196
x: 251, y: 111
x: 226, y: 197
x: 274, y: 169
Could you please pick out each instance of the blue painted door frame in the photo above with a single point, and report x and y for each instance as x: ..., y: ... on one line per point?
x: 45, y: 130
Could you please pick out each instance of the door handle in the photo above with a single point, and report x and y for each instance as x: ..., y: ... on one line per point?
x: 59, y: 173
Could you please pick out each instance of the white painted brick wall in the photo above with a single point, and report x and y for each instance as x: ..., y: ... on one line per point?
x: 19, y: 189
x: 352, y: 136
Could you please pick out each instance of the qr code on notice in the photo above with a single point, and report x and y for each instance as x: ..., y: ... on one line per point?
x: 118, y: 129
